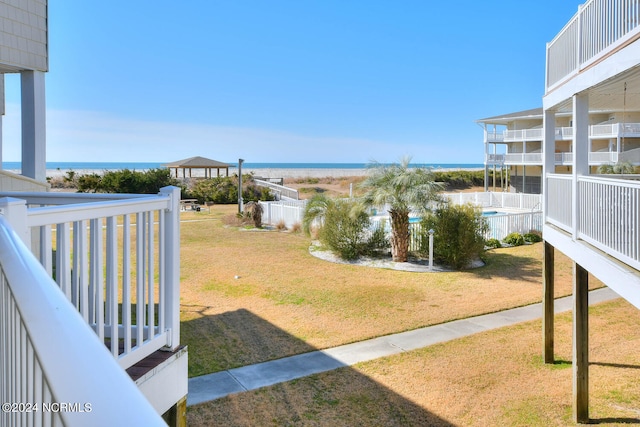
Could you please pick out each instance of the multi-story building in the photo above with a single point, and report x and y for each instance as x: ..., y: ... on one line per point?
x: 592, y: 87
x: 513, y: 143
x: 89, y: 284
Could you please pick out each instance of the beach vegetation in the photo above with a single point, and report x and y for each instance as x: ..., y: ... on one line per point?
x: 458, y: 237
x: 514, y: 239
x: 340, y: 223
x: 619, y: 168
x: 343, y: 225
x: 454, y: 179
x: 534, y: 236
x: 224, y: 190
x: 87, y: 183
x: 123, y: 181
x: 254, y: 211
x: 404, y: 189
x: 493, y: 243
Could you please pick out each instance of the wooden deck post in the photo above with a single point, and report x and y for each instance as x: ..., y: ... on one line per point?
x: 580, y: 344
x: 548, y: 303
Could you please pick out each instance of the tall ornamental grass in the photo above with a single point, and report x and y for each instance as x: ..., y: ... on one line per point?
x: 458, y: 237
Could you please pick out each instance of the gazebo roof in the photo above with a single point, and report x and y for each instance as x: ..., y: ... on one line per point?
x: 197, y: 162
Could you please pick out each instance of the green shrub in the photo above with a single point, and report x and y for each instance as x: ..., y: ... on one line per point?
x: 514, y: 239
x: 343, y: 229
x: 224, y: 190
x: 532, y: 237
x: 458, y: 234
x: 124, y: 181
x: 493, y: 243
x: 341, y: 225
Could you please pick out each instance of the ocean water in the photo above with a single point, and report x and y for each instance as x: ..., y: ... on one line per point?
x: 151, y: 165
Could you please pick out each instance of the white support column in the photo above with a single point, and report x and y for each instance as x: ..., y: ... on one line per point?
x: 33, y: 125
x: 580, y: 152
x: 172, y: 266
x: 486, y: 160
x: 548, y: 150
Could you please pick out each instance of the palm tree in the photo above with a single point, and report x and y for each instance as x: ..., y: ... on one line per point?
x: 315, y: 210
x: 403, y: 188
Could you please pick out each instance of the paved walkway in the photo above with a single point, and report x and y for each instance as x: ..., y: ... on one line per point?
x: 220, y: 384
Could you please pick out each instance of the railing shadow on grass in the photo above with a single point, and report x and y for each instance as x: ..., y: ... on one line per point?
x: 240, y: 338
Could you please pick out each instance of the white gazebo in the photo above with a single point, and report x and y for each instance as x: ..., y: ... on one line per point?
x: 198, y: 163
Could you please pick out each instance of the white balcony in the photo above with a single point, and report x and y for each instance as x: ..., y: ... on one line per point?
x: 523, y: 135
x: 598, y: 28
x: 606, y: 131
x: 110, y: 263
x: 606, y: 216
x: 523, y: 158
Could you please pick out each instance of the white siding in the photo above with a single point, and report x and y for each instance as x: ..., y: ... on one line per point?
x: 23, y: 35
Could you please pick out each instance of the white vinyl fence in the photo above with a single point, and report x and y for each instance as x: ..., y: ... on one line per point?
x: 287, y: 212
x: 500, y: 225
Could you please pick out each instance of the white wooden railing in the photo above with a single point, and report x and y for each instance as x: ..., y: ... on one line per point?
x: 494, y: 136
x: 597, y: 27
x: 558, y: 199
x: 603, y: 157
x: 54, y: 370
x: 116, y: 260
x: 523, y: 135
x: 595, y: 158
x: 497, y: 200
x: 563, y: 158
x: 523, y: 158
x: 494, y: 158
x: 609, y: 213
x: 281, y: 191
x: 609, y: 216
x: 564, y: 133
x: 603, y: 131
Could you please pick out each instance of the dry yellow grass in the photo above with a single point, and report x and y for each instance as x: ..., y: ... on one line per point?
x: 286, y: 301
x: 489, y: 379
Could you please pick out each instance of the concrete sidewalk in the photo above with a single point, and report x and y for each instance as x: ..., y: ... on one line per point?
x: 220, y: 384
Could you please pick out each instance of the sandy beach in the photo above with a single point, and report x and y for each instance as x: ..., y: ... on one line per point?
x: 259, y: 172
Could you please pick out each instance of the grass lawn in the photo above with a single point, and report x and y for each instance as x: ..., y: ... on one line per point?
x: 494, y: 378
x: 287, y: 302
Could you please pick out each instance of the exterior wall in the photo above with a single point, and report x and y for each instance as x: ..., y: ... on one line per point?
x: 525, y: 124
x: 23, y: 35
x: 13, y: 182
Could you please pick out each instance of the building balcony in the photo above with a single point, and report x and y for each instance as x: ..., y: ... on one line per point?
x: 598, y: 28
x: 603, y: 219
x: 596, y: 158
x: 535, y: 134
x: 601, y: 131
x: 89, y: 293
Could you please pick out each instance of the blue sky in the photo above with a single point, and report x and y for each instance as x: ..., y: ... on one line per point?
x: 286, y: 81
